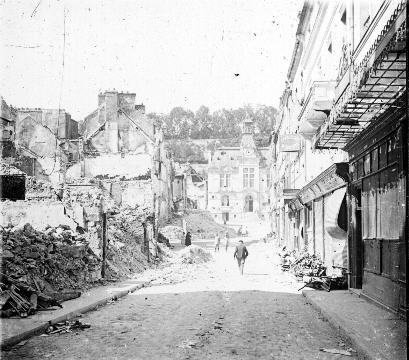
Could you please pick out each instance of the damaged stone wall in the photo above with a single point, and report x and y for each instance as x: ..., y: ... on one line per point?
x: 39, y: 213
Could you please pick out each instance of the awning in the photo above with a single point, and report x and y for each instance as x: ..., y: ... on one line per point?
x: 330, y: 179
x: 336, y: 236
x: 370, y: 86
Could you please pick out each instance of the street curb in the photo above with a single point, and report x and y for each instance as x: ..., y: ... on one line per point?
x: 38, y: 329
x: 341, y: 326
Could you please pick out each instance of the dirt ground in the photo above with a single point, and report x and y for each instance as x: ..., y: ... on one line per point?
x: 211, y: 313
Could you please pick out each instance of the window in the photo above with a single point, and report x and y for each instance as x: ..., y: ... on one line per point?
x: 268, y: 180
x: 225, y: 200
x: 367, y: 164
x: 248, y: 177
x: 360, y: 167
x: 308, y: 216
x: 383, y: 158
x: 380, y: 205
x: 393, y: 149
x: 374, y: 160
x: 245, y: 177
x: 224, y: 180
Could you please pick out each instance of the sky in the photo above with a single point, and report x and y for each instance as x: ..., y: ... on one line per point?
x: 218, y: 53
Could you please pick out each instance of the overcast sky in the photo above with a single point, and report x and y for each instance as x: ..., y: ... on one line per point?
x: 170, y: 53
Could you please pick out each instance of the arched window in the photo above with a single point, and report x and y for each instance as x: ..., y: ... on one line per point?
x: 225, y: 200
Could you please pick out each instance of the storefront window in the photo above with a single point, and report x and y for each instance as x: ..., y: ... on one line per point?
x: 393, y: 150
x: 360, y: 167
x: 367, y: 164
x: 388, y: 214
x: 352, y: 171
x: 369, y: 207
x: 382, y: 156
x: 374, y: 160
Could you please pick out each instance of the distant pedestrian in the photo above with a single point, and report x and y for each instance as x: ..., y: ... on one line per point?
x: 188, y: 239
x: 226, y: 240
x: 241, y: 253
x: 216, y: 242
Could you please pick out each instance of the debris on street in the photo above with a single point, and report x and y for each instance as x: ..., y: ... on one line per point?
x: 66, y: 327
x: 43, y: 268
x: 194, y: 254
x: 311, y: 270
x: 18, y: 298
x: 189, y: 263
x: 302, y: 264
x: 336, y: 351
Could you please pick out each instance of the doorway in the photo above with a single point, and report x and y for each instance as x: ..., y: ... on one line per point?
x: 356, y: 253
x: 248, y: 204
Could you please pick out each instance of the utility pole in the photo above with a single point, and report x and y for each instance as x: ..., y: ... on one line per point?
x: 104, y: 244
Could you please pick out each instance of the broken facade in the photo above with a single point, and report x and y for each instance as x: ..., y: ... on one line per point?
x: 189, y: 188
x: 125, y: 150
x: 40, y: 142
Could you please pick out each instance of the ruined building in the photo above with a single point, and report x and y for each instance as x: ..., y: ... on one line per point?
x: 124, y: 149
x: 40, y: 142
x: 238, y: 180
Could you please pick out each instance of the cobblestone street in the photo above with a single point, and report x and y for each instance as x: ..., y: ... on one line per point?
x: 218, y: 315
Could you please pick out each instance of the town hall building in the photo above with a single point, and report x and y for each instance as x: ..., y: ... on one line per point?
x: 239, y: 181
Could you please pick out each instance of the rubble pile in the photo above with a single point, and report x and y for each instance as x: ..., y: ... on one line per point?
x: 39, y: 189
x: 311, y: 270
x: 302, y: 264
x: 172, y: 233
x: 8, y: 169
x: 191, y: 263
x: 46, y: 264
x: 308, y: 265
x: 201, y: 224
x: 125, y: 240
x: 193, y: 254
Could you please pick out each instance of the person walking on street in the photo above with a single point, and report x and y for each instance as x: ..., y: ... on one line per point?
x: 241, y: 253
x: 226, y: 239
x: 216, y: 242
x: 188, y: 239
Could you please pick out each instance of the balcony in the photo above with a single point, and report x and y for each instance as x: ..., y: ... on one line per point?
x: 375, y: 80
x: 316, y: 108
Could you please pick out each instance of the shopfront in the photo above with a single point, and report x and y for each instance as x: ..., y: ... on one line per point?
x: 377, y: 211
x: 325, y: 217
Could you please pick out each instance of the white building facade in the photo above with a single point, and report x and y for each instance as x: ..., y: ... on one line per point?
x: 239, y: 181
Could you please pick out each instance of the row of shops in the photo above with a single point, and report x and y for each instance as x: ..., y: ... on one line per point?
x: 353, y: 215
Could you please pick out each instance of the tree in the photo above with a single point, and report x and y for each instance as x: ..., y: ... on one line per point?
x: 223, y: 124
